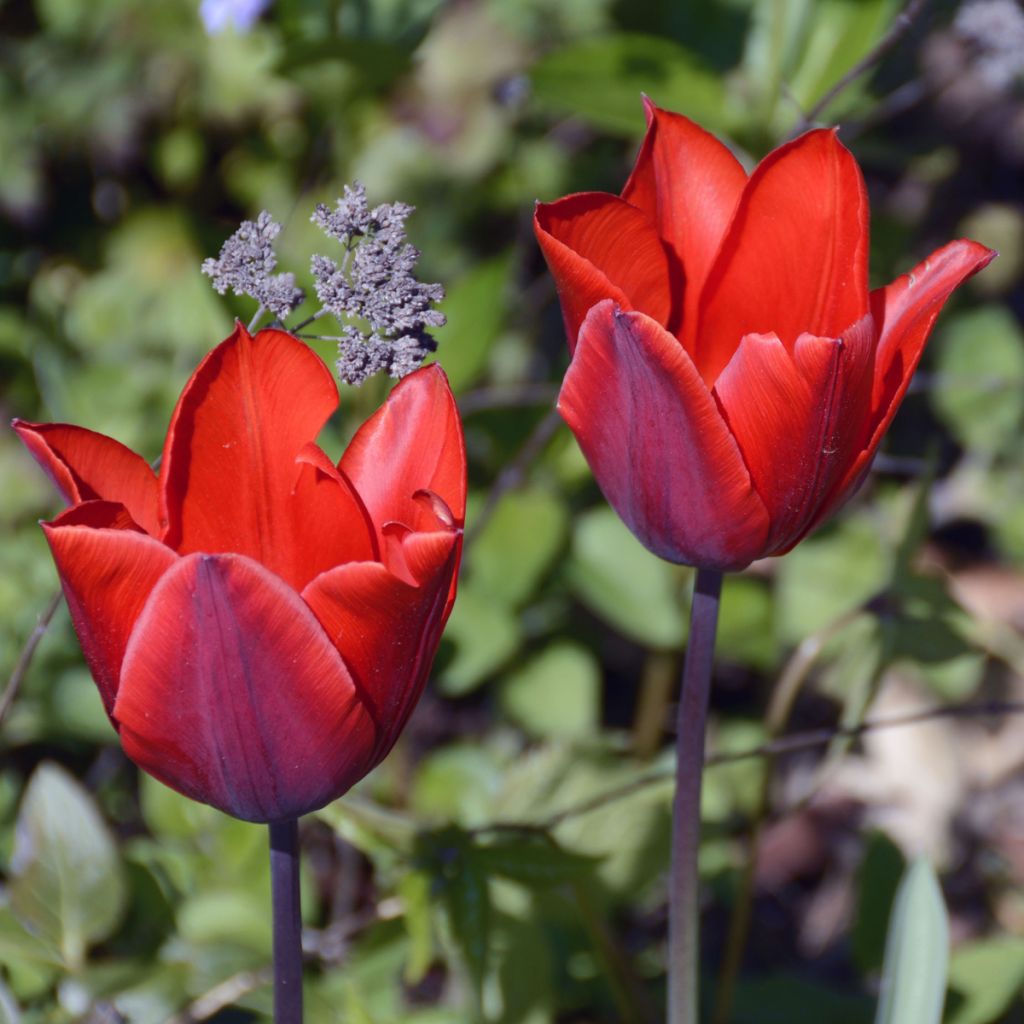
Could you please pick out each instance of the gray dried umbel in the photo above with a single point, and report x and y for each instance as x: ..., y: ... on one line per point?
x: 383, y: 310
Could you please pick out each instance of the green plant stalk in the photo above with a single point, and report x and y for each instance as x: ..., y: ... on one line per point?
x: 684, y: 896
x: 284, y: 890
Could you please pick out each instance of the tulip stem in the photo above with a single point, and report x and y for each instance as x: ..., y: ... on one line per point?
x: 684, y: 901
x: 284, y: 886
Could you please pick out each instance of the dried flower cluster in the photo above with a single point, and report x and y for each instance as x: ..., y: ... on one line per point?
x: 246, y: 265
x: 374, y: 284
x: 995, y: 28
x: 384, y: 311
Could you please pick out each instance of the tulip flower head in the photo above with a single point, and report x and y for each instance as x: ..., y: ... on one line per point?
x: 259, y: 620
x: 732, y: 375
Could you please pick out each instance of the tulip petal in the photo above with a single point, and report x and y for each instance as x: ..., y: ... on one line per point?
x: 658, y: 444
x: 86, y: 466
x: 328, y: 513
x: 230, y: 455
x: 799, y: 418
x: 904, y: 313
x: 107, y: 567
x: 688, y: 184
x: 795, y: 257
x: 232, y: 694
x: 600, y: 247
x: 412, y: 443
x: 386, y: 629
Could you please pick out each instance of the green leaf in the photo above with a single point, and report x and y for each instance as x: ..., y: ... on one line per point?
x: 467, y: 902
x: 66, y: 877
x: 878, y: 881
x: 518, y: 545
x: 9, y: 1010
x: 556, y: 693
x: 979, y: 389
x: 534, y: 860
x: 623, y: 583
x: 485, y: 634
x: 986, y: 978
x: 414, y: 889
x: 600, y: 80
x: 475, y: 307
x: 916, y: 952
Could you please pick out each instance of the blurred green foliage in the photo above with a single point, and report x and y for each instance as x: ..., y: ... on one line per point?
x: 508, y: 861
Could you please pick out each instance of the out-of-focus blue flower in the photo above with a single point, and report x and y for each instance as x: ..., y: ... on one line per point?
x: 217, y: 15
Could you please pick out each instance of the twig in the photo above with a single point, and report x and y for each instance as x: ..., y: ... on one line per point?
x: 28, y: 651
x: 224, y: 994
x: 524, y: 396
x: 513, y: 474
x: 899, y: 27
x: 794, y: 743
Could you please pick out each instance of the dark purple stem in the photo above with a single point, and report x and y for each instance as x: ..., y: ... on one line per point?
x: 284, y: 887
x: 684, y: 902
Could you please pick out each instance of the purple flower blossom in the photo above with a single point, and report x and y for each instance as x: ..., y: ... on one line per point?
x: 218, y: 15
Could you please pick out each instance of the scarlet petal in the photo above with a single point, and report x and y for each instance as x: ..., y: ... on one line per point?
x: 232, y: 694
x: 327, y: 511
x: 799, y: 419
x: 795, y: 257
x: 688, y: 184
x: 87, y: 466
x: 107, y: 568
x: 412, y: 443
x: 230, y: 455
x: 904, y: 313
x: 600, y: 247
x: 386, y: 629
x: 658, y: 445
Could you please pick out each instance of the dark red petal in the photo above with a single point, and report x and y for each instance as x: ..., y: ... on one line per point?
x: 658, y: 445
x: 904, y: 313
x: 87, y: 466
x: 688, y: 184
x: 799, y: 419
x: 600, y: 247
x: 107, y: 568
x: 795, y: 257
x: 230, y: 456
x: 386, y: 629
x: 232, y: 694
x: 412, y: 443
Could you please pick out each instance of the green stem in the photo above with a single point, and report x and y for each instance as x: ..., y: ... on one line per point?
x: 684, y: 902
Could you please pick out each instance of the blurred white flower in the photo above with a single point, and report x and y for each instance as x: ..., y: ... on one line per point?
x: 217, y: 15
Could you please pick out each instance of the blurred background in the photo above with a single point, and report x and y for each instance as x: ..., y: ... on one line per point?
x: 507, y: 863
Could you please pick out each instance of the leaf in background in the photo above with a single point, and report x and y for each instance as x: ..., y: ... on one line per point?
x: 988, y: 977
x: 475, y: 307
x: 979, y: 388
x: 468, y: 905
x: 600, y: 80
x: 414, y: 890
x: 623, y: 583
x: 556, y: 693
x: 534, y: 860
x: 877, y: 883
x: 916, y: 952
x: 66, y: 881
x: 746, y: 627
x: 9, y: 1011
x: 485, y: 634
x: 457, y: 783
x: 517, y: 545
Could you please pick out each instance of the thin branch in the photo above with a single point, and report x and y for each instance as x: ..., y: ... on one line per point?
x: 899, y: 27
x: 521, y: 397
x: 514, y: 473
x: 28, y: 651
x: 811, y: 739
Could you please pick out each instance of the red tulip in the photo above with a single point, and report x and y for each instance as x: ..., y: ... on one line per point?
x: 261, y: 622
x: 732, y: 375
